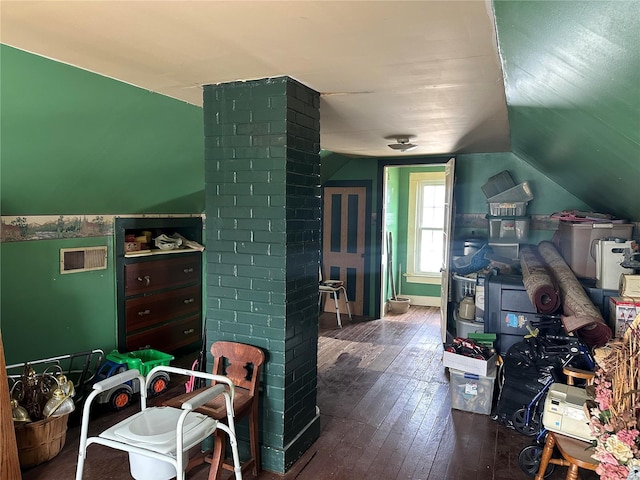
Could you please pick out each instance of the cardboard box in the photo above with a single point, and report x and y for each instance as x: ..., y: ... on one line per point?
x: 470, y: 365
x: 622, y: 311
x: 470, y: 392
x: 132, y: 246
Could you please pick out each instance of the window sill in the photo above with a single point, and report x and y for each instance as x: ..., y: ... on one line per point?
x: 433, y: 279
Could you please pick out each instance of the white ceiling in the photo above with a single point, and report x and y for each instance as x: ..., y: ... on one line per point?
x: 427, y: 69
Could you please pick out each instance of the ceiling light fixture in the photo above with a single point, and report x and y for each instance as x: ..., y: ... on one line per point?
x: 402, y: 144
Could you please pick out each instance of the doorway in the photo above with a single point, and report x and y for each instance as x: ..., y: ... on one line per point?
x: 420, y: 251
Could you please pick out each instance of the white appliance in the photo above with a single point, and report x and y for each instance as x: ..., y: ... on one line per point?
x: 609, y: 253
x: 564, y: 412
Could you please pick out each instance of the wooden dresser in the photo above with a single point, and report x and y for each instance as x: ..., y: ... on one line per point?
x: 159, y: 291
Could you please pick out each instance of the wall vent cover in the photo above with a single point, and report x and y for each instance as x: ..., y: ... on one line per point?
x: 76, y: 260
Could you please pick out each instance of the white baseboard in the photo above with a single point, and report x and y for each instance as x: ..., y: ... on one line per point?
x: 423, y: 301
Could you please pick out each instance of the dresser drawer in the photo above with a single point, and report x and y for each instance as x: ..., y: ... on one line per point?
x: 167, y: 337
x: 149, y: 310
x: 143, y: 277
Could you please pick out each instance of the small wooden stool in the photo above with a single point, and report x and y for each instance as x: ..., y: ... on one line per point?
x: 575, y: 455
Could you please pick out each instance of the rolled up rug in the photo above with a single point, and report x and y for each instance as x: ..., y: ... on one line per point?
x: 539, y: 283
x: 579, y: 313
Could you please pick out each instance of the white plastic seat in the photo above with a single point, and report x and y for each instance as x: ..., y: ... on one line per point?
x: 333, y: 289
x: 154, y: 436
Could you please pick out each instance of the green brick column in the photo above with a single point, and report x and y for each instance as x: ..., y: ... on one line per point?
x: 262, y: 174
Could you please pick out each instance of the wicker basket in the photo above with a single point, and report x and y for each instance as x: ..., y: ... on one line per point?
x: 40, y: 441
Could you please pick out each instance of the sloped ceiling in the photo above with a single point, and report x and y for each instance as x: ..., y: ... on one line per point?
x: 559, y: 86
x: 572, y: 81
x: 429, y: 70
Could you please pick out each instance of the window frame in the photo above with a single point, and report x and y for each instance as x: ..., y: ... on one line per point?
x: 416, y: 180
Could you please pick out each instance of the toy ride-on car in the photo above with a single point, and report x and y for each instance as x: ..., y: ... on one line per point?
x: 120, y: 396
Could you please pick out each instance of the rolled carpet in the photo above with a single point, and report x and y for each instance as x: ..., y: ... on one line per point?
x: 579, y: 313
x: 540, y: 285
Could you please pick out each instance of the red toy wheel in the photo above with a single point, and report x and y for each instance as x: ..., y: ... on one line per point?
x: 120, y: 399
x: 158, y: 385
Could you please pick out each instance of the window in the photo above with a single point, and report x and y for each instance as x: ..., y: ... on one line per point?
x: 426, y: 221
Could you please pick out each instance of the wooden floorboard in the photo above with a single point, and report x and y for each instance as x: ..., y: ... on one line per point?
x: 385, y: 413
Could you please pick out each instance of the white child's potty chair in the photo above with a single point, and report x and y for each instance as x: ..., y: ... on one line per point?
x: 154, y: 435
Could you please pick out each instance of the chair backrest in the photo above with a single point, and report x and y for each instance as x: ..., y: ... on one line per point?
x: 240, y: 362
x: 573, y: 373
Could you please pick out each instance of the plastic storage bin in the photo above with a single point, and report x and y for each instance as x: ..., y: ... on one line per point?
x: 511, y: 202
x: 508, y: 228
x: 506, y: 250
x: 463, y: 286
x: 471, y: 392
x: 465, y: 327
x: 498, y: 184
x: 519, y: 193
x: 576, y: 241
x: 516, y: 209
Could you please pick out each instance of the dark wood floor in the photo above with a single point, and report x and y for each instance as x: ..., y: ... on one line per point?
x: 385, y: 411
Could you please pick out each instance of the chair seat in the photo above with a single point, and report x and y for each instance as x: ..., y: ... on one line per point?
x: 576, y: 451
x: 155, y: 429
x: 216, y: 408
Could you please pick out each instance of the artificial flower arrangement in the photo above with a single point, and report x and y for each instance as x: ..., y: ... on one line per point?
x: 615, y: 409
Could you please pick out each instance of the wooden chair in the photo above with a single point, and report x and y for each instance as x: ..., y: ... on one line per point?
x: 242, y: 364
x: 575, y: 453
x: 333, y: 289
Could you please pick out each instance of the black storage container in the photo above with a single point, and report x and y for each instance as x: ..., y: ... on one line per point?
x: 508, y: 310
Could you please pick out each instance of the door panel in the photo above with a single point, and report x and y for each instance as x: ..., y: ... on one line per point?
x: 343, y: 243
x: 447, y: 237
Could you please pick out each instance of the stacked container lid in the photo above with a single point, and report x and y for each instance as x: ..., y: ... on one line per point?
x: 508, y: 223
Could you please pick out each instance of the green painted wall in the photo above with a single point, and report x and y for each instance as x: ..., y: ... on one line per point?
x: 75, y: 143
x: 47, y: 314
x: 572, y: 76
x: 473, y: 171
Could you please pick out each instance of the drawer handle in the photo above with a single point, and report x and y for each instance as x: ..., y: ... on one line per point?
x: 189, y: 331
x: 144, y: 312
x: 146, y: 279
x: 189, y: 300
x: 188, y: 270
